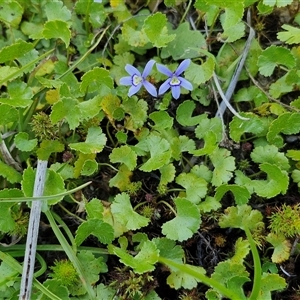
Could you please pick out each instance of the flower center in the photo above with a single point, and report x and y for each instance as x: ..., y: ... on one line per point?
x: 175, y: 81
x: 136, y: 79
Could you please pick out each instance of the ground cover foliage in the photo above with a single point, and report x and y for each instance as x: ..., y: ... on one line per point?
x: 175, y: 202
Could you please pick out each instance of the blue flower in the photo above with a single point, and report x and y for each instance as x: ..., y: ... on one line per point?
x: 137, y: 80
x: 175, y: 81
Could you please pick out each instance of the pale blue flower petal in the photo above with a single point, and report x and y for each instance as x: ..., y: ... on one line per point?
x: 148, y: 68
x: 126, y: 80
x: 175, y: 91
x: 182, y: 67
x: 185, y: 84
x: 164, y: 87
x: 134, y: 89
x: 132, y: 70
x: 164, y: 70
x: 150, y: 88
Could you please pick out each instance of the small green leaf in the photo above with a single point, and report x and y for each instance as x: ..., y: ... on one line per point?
x: 103, y: 231
x: 210, y: 144
x: 269, y: 283
x: 186, y: 144
x: 18, y: 49
x: 54, y: 184
x: 20, y: 94
x: 122, y: 179
x: 293, y: 154
x: 186, y: 43
x: 8, y: 114
x: 143, y: 262
x: 48, y: 147
x: 203, y: 172
x: 105, y: 291
x: 233, y: 11
x: 92, y: 266
x: 270, y: 154
x: 277, y: 181
x: 66, y: 108
x: 285, y: 84
x: 178, y: 279
x: 135, y: 37
x: 98, y: 15
x: 109, y: 105
x: 9, y: 73
x: 278, y: 3
x: 224, y: 165
x: 16, y: 102
x: 196, y: 187
x: 78, y: 165
x: 241, y: 194
x: 32, y: 29
x: 49, y: 83
x: 209, y: 125
x: 8, y: 274
x: 242, y: 249
x: 55, y: 286
x: 65, y: 170
x: 90, y: 108
x: 184, y: 114
x: 159, y: 150
x: 209, y: 204
x: 227, y: 270
x: 57, y: 11
x: 157, y: 31
x: 230, y: 19
x: 186, y: 222
x: 211, y: 11
x: 275, y: 56
x: 241, y: 216
x: 94, y: 143
x: 167, y: 174
x: 242, y: 180
x: 23, y: 143
x: 233, y: 33
x: 7, y: 222
x: 57, y: 29
x: 117, y: 70
x: 162, y: 120
x: 137, y: 110
x: 236, y: 284
x: 256, y: 125
x: 123, y: 212
x: 94, y: 209
x: 89, y: 167
x: 287, y: 123
x: 28, y: 61
x: 170, y: 2
x: 125, y: 155
x: 212, y: 295
x: 291, y: 36
x: 96, y: 80
x: 199, y: 74
x: 250, y: 94
x: 9, y: 173
x: 11, y: 12
x: 296, y: 177
x: 282, y: 247
x: 168, y: 249
x: 121, y: 137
